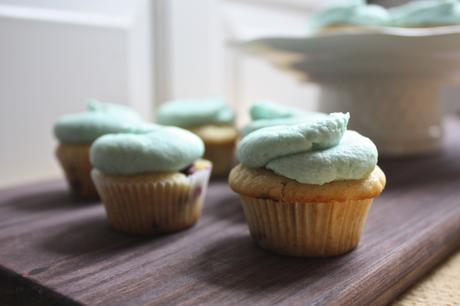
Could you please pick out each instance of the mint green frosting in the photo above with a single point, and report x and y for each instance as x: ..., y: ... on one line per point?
x: 99, y: 119
x: 355, y: 12
x: 266, y: 113
x: 355, y: 157
x: 189, y: 113
x: 269, y: 110
x: 165, y: 149
x: 263, y: 123
x: 261, y: 146
x: 312, y: 153
x: 426, y: 13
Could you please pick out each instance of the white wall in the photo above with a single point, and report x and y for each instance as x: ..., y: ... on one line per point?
x: 110, y: 8
x: 202, y: 63
x: 51, y: 62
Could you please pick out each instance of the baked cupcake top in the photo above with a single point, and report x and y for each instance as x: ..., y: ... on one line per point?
x: 99, y: 119
x: 316, y: 152
x: 355, y: 12
x: 426, y: 13
x: 196, y: 112
x: 266, y: 113
x: 163, y: 149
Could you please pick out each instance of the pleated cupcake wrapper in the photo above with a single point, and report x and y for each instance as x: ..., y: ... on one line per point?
x: 222, y: 157
x: 153, y: 207
x: 75, y: 162
x: 306, y: 229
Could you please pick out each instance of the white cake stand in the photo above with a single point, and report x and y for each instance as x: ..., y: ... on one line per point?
x: 389, y: 79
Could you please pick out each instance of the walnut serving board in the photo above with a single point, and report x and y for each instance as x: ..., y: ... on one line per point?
x: 58, y: 251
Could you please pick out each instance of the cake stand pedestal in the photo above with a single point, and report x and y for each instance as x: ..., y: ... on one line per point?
x: 389, y: 79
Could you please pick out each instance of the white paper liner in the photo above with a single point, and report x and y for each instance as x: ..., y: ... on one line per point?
x: 306, y: 229
x: 148, y: 206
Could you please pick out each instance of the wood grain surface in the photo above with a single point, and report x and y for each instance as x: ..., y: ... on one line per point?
x: 58, y: 251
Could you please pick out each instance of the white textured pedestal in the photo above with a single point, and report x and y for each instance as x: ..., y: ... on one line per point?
x: 403, y: 116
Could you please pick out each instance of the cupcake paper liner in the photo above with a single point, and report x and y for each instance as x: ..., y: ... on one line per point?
x: 74, y: 160
x: 148, y: 206
x: 306, y: 229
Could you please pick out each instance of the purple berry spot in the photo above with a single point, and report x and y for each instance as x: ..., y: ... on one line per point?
x: 189, y: 170
x: 197, y: 192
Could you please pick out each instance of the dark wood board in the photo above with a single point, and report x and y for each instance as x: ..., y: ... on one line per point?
x: 55, y: 250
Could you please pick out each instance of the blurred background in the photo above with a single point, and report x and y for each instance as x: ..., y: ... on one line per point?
x: 55, y: 55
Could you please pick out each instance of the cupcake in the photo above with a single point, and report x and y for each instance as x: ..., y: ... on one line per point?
x: 351, y: 15
x: 426, y: 13
x: 153, y: 182
x: 76, y: 133
x: 306, y: 189
x: 266, y: 113
x: 213, y: 121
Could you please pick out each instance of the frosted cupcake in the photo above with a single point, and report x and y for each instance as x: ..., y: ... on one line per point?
x: 76, y: 133
x: 306, y: 189
x: 266, y: 113
x: 213, y: 121
x: 351, y: 15
x: 426, y: 14
x: 153, y: 182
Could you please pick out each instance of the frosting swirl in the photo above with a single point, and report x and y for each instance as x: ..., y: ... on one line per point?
x: 165, y: 149
x: 312, y: 153
x: 356, y: 12
x: 99, y: 119
x: 189, y: 113
x: 426, y: 13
